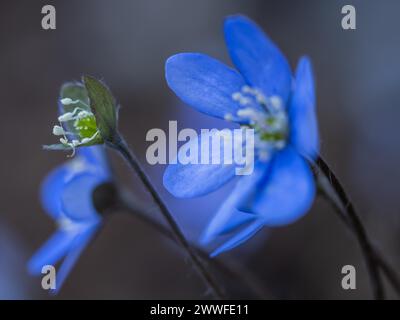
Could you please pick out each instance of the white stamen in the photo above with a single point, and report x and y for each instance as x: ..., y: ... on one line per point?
x: 68, y: 101
x: 58, y: 131
x: 276, y: 102
x: 228, y: 117
x: 84, y: 114
x: 249, y: 90
x: 261, y: 99
x: 239, y: 97
x: 266, y: 115
x: 86, y: 140
x: 66, y: 117
x: 236, y: 96
x: 250, y: 114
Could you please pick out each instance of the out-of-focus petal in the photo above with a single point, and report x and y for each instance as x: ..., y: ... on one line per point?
x: 192, y: 180
x: 90, y: 162
x: 77, y: 198
x: 288, y: 192
x: 51, y: 191
x: 229, y: 218
x: 79, y: 244
x: 302, y: 114
x: 239, y: 238
x: 96, y: 159
x: 52, y: 251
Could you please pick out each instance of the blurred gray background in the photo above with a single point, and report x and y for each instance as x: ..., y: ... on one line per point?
x: 126, y: 43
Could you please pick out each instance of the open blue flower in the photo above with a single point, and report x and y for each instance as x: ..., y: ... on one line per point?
x: 261, y: 94
x: 67, y: 197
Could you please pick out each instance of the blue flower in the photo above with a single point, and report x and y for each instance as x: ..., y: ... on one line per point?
x: 263, y: 94
x: 67, y: 197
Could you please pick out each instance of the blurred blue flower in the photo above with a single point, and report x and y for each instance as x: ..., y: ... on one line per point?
x: 261, y: 94
x: 67, y: 197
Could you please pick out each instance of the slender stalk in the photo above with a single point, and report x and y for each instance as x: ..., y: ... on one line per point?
x: 345, y: 208
x: 129, y: 204
x: 385, y: 266
x: 388, y: 270
x: 120, y: 145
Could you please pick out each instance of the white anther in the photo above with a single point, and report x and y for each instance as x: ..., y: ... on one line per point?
x: 237, y: 96
x: 84, y: 114
x: 261, y: 98
x: 68, y: 101
x: 249, y: 90
x: 58, y: 131
x: 245, y: 101
x: 250, y: 114
x: 66, y: 117
x: 86, y: 140
x: 228, y: 117
x: 276, y: 102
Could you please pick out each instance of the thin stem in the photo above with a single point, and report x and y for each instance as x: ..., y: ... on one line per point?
x: 129, y: 156
x: 349, y: 215
x: 385, y: 266
x: 128, y: 203
x: 388, y: 270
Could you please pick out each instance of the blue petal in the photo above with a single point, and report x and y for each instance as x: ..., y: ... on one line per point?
x: 52, y: 251
x: 75, y: 251
x: 257, y: 58
x: 77, y: 200
x: 89, y: 160
x: 204, y: 83
x: 302, y: 115
x: 193, y: 180
x: 289, y: 191
x: 228, y: 218
x: 96, y: 157
x: 51, y: 191
x: 239, y: 238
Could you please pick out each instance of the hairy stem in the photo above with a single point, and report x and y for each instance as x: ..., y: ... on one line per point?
x: 129, y: 156
x: 345, y: 208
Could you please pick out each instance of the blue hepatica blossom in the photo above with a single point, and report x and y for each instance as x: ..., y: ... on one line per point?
x: 67, y: 197
x: 261, y: 94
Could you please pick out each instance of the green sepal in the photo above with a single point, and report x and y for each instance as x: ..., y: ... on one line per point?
x: 103, y: 106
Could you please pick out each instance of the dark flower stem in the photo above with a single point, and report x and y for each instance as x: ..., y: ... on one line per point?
x: 342, y: 204
x: 128, y: 203
x: 120, y: 145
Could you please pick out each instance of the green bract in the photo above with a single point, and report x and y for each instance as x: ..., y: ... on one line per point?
x: 102, y: 104
x: 88, y: 115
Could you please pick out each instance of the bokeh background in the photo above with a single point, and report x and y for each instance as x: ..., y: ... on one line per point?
x: 126, y: 43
